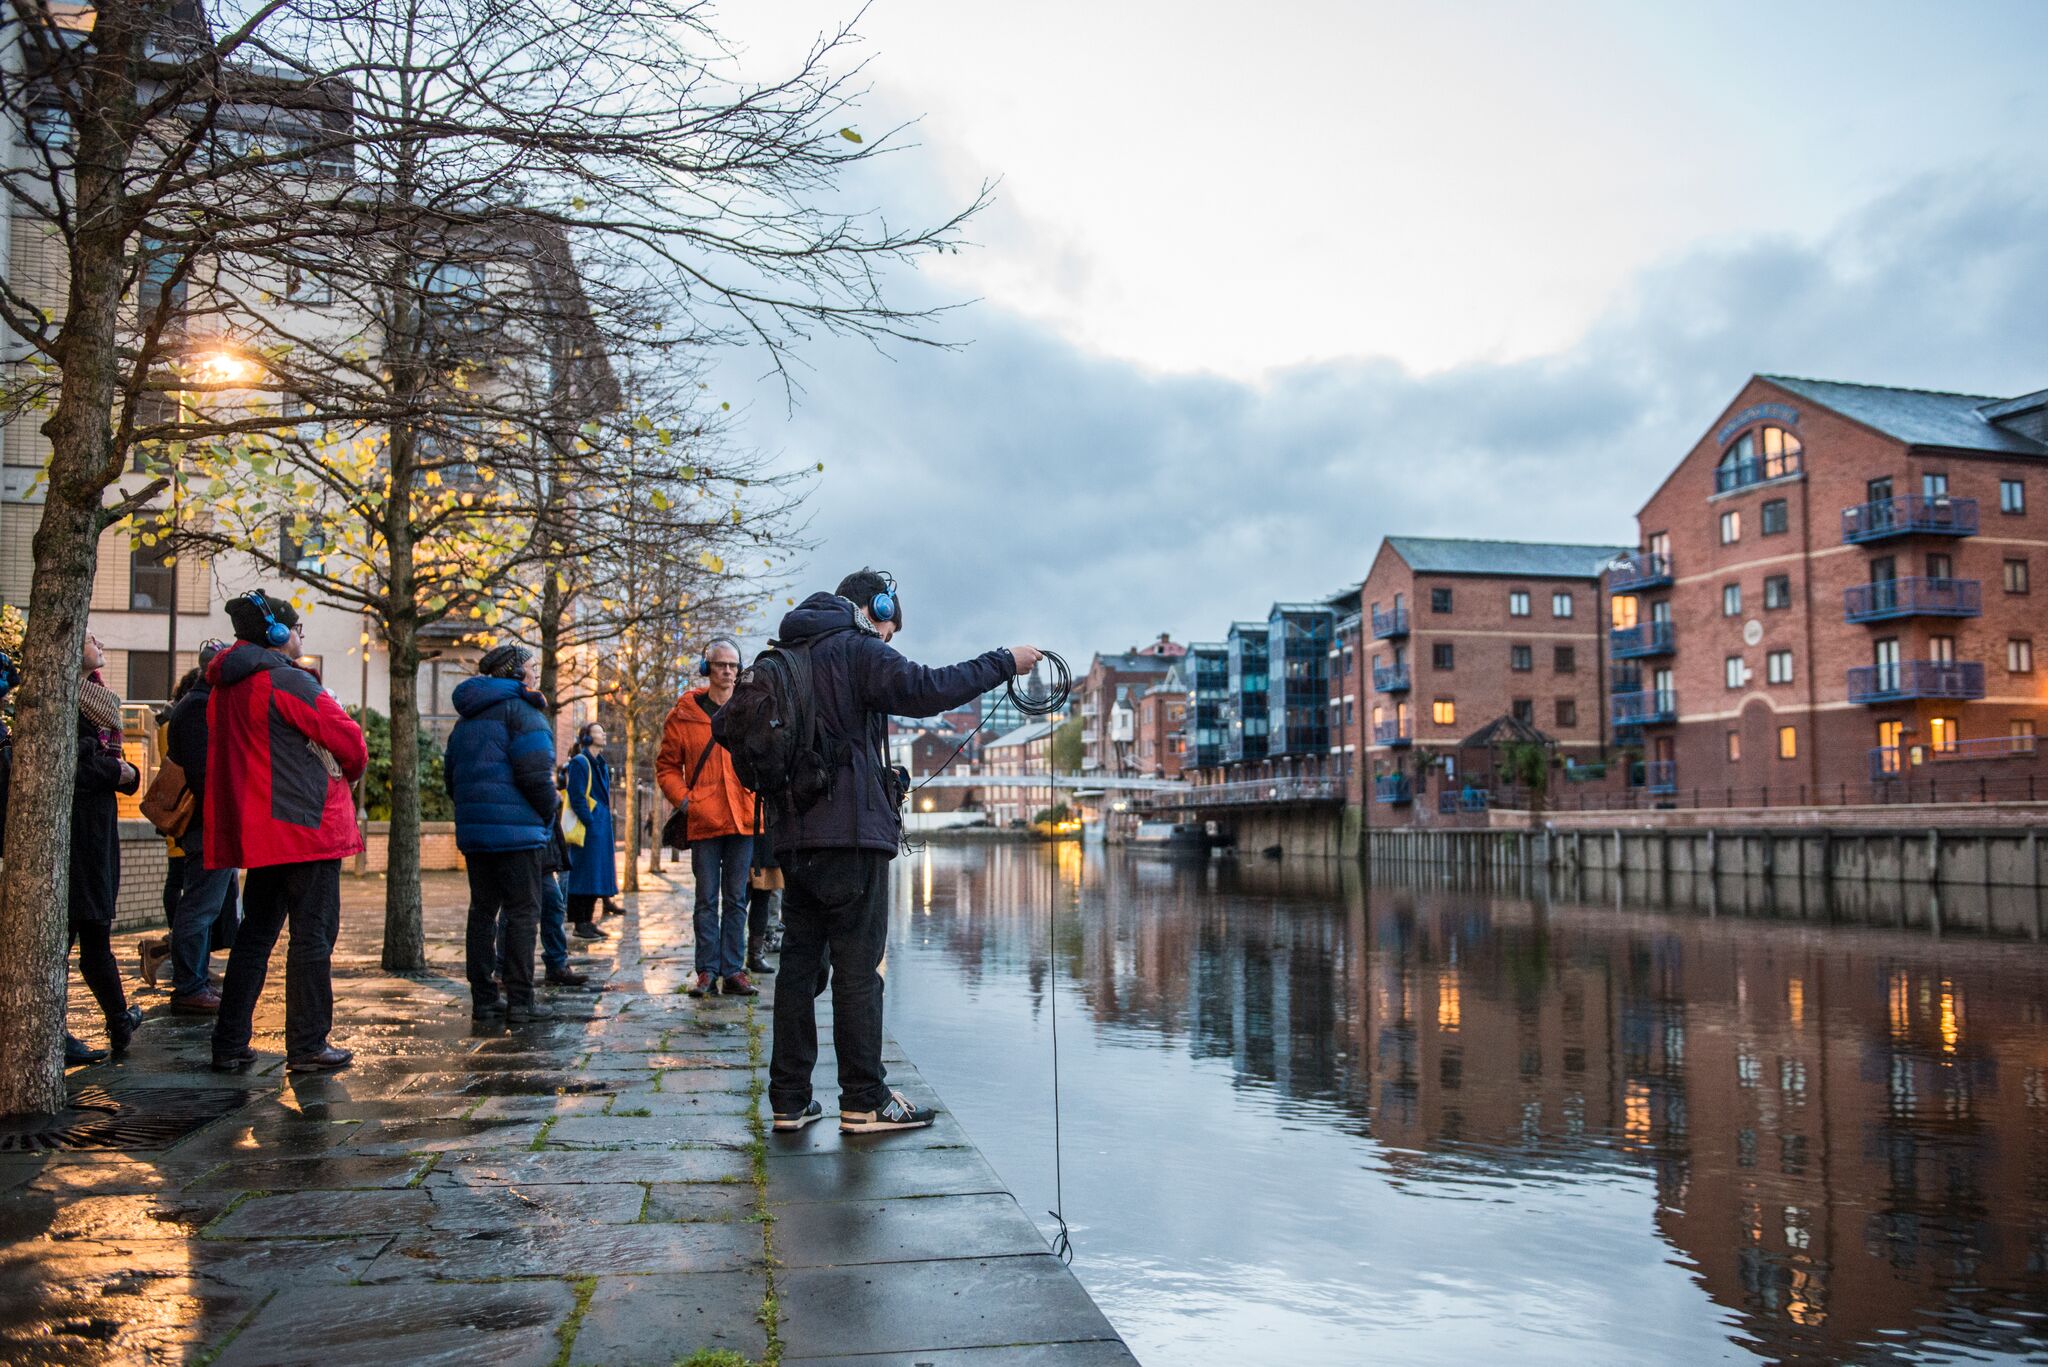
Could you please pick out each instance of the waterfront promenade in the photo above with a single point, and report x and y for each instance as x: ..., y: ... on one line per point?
x: 599, y: 1189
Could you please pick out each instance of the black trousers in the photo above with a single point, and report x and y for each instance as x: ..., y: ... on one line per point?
x: 835, y: 908
x: 309, y: 897
x: 582, y: 907
x: 97, y: 966
x: 504, y: 886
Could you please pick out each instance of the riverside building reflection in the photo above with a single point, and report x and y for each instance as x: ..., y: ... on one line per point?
x: 1835, y: 1134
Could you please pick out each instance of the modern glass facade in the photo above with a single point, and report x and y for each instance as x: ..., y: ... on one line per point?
x: 999, y: 715
x: 1208, y: 666
x: 1298, y: 637
x: 1247, y: 718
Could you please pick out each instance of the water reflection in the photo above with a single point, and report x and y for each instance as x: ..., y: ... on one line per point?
x: 1314, y: 1118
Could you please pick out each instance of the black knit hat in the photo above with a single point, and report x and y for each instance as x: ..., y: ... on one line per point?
x: 507, y: 661
x: 247, y: 616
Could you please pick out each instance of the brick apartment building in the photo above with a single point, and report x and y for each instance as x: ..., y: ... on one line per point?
x: 1461, y: 633
x: 929, y: 750
x: 1110, y: 680
x: 1024, y: 752
x: 1162, y: 722
x: 1833, y: 590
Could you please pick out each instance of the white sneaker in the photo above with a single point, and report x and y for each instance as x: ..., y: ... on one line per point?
x: 809, y: 1115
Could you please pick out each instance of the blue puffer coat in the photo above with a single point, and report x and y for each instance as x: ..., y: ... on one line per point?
x: 593, y: 865
x: 860, y: 680
x: 500, y: 767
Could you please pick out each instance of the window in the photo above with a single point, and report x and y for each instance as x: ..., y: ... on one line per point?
x: 1564, y: 660
x: 302, y: 287
x: 1734, y: 746
x: 1777, y: 591
x: 1941, y: 735
x: 1518, y: 603
x: 2012, y: 496
x: 1889, y: 735
x: 1781, y: 453
x: 1942, y: 649
x: 2019, y: 655
x: 1560, y: 605
x: 149, y: 587
x: 1775, y: 518
x: 1732, y: 671
x: 1731, y: 600
x: 1441, y: 655
x: 1933, y: 485
x: 149, y: 675
x: 1444, y: 712
x: 1521, y: 659
x: 1524, y: 710
x: 2021, y: 729
x: 1788, y: 742
x: 1567, y: 712
x: 1621, y: 611
x: 1940, y: 566
x: 2015, y: 576
x: 1660, y: 544
x: 1731, y: 527
x: 1878, y: 490
x: 1778, y: 666
x: 49, y: 128
x: 1439, y: 600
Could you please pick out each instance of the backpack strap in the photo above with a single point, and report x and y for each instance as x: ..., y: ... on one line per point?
x: 697, y: 770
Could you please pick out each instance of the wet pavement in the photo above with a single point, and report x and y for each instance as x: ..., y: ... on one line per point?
x: 601, y: 1188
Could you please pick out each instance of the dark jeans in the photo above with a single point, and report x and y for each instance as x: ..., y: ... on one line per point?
x: 97, y: 966
x: 835, y: 909
x: 554, y: 933
x: 503, y: 884
x: 720, y: 866
x: 309, y: 897
x: 204, y: 896
x: 760, y: 905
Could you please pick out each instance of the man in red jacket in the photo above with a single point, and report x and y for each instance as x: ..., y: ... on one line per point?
x: 280, y: 758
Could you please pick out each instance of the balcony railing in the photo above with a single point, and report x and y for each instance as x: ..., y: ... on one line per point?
x: 1916, y: 679
x: 1393, y: 789
x: 1655, y: 707
x: 1245, y: 793
x: 1388, y: 624
x: 1450, y: 803
x: 1757, y: 469
x: 1882, y: 599
x: 1909, y: 515
x: 1390, y: 678
x: 1389, y: 733
x: 1641, y: 641
x: 1658, y: 776
x: 1641, y: 570
x: 1894, y: 761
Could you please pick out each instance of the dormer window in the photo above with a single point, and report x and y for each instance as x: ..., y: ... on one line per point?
x: 1759, y: 454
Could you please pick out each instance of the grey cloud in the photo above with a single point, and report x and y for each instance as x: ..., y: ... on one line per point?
x: 1025, y: 489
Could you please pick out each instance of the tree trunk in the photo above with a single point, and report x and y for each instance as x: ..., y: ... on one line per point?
x: 631, y: 883
x: 83, y: 463
x: 405, y: 949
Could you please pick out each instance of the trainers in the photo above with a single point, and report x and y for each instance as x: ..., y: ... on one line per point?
x: 899, y: 1114
x: 703, y: 985
x: 738, y: 986
x: 811, y: 1114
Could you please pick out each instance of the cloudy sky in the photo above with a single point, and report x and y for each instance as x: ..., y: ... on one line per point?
x: 1264, y: 284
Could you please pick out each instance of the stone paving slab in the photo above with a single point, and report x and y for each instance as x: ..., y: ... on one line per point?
x: 638, y: 1321
x: 580, y: 1250
x: 1093, y: 1353
x: 446, y: 1208
x: 844, y: 1233
x: 909, y: 1306
x: 510, y: 1324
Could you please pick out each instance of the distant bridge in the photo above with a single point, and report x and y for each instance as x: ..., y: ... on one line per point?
x: 1078, y: 781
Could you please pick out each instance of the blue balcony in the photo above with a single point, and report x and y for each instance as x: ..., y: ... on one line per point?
x: 1640, y: 642
x: 1657, y: 707
x: 1739, y: 474
x: 1464, y: 800
x: 1390, y: 678
x: 1909, y: 515
x: 1393, y: 789
x: 1883, y: 599
x: 1643, y: 570
x: 1897, y: 761
x: 1390, y: 624
x: 1656, y: 776
x: 1963, y: 679
x: 1390, y: 734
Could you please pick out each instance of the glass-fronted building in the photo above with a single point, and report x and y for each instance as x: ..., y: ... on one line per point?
x: 1208, y: 666
x: 1298, y: 637
x: 1248, y: 717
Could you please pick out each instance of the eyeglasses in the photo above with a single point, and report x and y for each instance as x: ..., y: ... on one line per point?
x: 724, y: 664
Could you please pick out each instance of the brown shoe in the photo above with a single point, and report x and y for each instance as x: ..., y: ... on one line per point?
x: 205, y: 1002
x: 154, y: 954
x: 738, y: 986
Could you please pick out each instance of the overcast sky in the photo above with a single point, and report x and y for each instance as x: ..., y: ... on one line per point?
x: 1263, y: 284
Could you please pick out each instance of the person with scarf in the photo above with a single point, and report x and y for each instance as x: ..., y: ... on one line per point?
x: 95, y: 882
x: 593, y: 866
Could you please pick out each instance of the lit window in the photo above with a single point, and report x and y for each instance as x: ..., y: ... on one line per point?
x: 1518, y: 603
x: 1731, y: 527
x: 1941, y: 649
x: 1444, y: 712
x: 1731, y: 600
x: 1732, y: 672
x: 2021, y: 729
x: 1734, y: 746
x: 1781, y: 453
x: 1560, y: 605
x: 1889, y: 736
x: 1778, y: 591
x: 2012, y: 496
x: 1941, y: 735
x: 1775, y: 519
x: 2015, y: 576
x: 1521, y: 659
x: 1788, y: 742
x: 1778, y: 666
x: 1622, y: 611
x: 2019, y: 655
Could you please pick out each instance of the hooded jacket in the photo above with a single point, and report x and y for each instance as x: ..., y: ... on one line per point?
x: 96, y: 827
x: 719, y: 803
x: 500, y: 767
x: 185, y: 743
x: 860, y: 681
x: 280, y: 756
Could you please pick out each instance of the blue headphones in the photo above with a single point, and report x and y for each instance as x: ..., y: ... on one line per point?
x: 704, y: 660
x: 275, y: 633
x: 882, y: 607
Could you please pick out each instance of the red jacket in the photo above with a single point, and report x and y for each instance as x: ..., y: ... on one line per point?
x: 720, y: 804
x: 280, y: 756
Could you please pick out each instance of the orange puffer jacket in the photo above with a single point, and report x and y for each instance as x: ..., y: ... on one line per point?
x: 719, y: 803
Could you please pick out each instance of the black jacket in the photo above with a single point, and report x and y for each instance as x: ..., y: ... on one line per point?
x: 96, y: 829
x: 185, y: 743
x: 860, y: 682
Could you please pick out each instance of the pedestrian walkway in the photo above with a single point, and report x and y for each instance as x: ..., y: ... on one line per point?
x: 600, y: 1189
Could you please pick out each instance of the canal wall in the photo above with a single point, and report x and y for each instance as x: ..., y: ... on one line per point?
x: 2003, y: 855
x: 1296, y: 832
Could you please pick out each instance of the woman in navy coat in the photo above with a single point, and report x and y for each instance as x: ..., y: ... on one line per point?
x: 593, y: 868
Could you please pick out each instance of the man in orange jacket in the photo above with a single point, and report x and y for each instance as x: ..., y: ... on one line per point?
x: 696, y: 774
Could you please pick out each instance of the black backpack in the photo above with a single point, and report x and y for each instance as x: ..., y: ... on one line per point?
x: 769, y: 727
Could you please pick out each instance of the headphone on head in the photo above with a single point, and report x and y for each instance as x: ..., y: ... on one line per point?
x: 882, y: 607
x: 704, y: 660
x: 275, y: 633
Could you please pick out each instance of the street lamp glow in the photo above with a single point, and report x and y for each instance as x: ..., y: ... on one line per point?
x: 225, y: 366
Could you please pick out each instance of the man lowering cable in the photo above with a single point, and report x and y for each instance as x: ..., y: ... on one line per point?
x: 835, y: 852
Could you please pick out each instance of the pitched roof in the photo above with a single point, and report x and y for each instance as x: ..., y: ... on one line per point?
x: 1023, y: 735
x: 1918, y: 417
x: 1504, y: 730
x: 1537, y: 559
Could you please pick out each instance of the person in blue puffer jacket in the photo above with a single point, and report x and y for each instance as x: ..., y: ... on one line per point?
x: 500, y: 769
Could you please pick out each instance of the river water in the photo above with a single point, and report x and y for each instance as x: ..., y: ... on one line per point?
x: 1311, y: 1120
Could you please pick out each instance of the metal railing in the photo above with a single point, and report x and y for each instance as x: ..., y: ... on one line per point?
x: 1962, y: 679
x: 1653, y: 707
x: 1452, y: 801
x: 1881, y: 599
x: 1909, y: 515
x: 1936, y: 784
x: 1390, y: 678
x: 1389, y: 623
x: 1658, y: 776
x: 1640, y: 570
x: 1390, y: 733
x: 1888, y: 762
x: 1393, y: 789
x: 1246, y: 793
x: 1645, y: 639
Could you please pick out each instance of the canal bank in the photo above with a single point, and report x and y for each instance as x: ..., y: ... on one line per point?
x: 601, y: 1188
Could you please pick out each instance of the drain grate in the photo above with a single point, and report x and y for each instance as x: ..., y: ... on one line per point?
x: 146, y: 1118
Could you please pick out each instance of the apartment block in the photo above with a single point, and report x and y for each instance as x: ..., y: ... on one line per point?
x: 1113, y: 682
